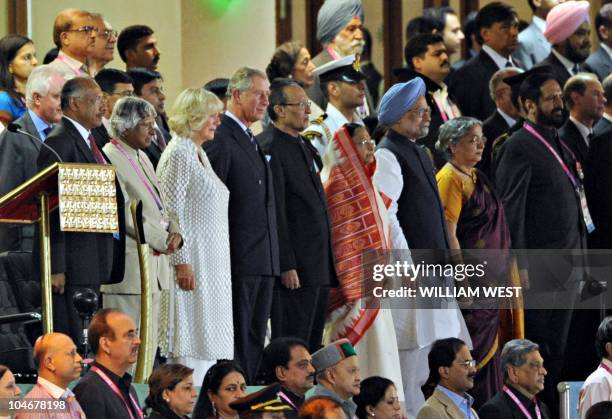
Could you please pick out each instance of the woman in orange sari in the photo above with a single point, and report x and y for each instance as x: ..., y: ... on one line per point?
x: 360, y: 238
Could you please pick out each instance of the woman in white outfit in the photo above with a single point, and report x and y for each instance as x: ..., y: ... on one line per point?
x: 199, y: 304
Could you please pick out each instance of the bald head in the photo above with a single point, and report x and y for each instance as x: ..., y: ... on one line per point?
x: 57, y: 359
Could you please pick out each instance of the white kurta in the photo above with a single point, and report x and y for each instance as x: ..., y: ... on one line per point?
x: 200, y: 324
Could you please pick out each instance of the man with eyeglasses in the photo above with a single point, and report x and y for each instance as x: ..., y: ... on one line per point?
x: 115, y: 84
x: 343, y: 85
x: 524, y: 376
x: 104, y: 48
x: 451, y: 371
x: 75, y: 36
x: 299, y: 303
x: 106, y: 390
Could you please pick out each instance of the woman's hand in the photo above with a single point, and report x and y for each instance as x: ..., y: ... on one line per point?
x: 185, y: 277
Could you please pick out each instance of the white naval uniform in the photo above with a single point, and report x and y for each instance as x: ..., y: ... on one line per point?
x: 321, y: 131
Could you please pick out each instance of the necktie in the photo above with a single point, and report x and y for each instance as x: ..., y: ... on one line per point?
x: 159, y: 139
x: 252, y: 138
x: 509, y: 64
x: 95, y: 150
x: 575, y: 69
x: 46, y: 131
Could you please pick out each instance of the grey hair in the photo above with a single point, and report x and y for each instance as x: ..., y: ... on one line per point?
x: 39, y: 81
x: 453, y: 130
x: 242, y: 79
x: 127, y: 113
x: 514, y: 353
x: 499, y: 77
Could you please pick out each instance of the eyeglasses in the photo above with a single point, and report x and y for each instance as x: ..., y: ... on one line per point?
x: 422, y: 111
x: 125, y: 93
x: 107, y: 33
x: 470, y: 363
x: 478, y: 140
x: 303, y: 105
x: 368, y: 142
x: 84, y: 29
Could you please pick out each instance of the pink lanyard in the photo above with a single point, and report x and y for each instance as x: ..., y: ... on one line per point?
x: 333, y: 53
x: 139, y: 172
x: 520, y: 405
x: 553, y: 152
x: 605, y: 367
x: 115, y: 389
x: 77, y: 70
x: 286, y: 398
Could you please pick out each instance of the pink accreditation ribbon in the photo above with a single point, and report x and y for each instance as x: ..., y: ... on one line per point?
x: 116, y: 390
x: 520, y: 405
x: 605, y: 367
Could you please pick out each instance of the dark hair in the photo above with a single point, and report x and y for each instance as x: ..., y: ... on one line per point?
x: 576, y: 84
x: 142, y: 76
x: 532, y: 5
x: 107, y: 79
x: 74, y: 88
x: 469, y: 29
x: 99, y: 326
x: 283, y: 60
x: 600, y: 410
x: 442, y: 354
x: 218, y: 87
x: 278, y: 96
x: 422, y: 24
x: 491, y: 14
x: 603, y: 336
x: 438, y: 14
x: 367, y: 44
x: 373, y: 390
x: 531, y: 87
x: 603, y: 17
x: 278, y: 354
x: 317, y: 407
x: 418, y: 45
x: 51, y: 55
x: 9, y: 46
x: 165, y: 377
x: 3, y: 370
x: 130, y: 36
x: 212, y: 381
x: 351, y: 128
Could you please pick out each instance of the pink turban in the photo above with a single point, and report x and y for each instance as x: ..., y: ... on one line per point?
x: 563, y: 20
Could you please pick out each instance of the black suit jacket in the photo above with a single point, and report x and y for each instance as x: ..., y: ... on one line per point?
x: 252, y: 210
x: 502, y: 407
x: 87, y: 259
x: 470, y: 86
x: 599, y: 62
x: 598, y: 185
x: 101, y: 136
x: 601, y: 126
x: 558, y: 69
x: 304, y: 230
x: 18, y: 154
x: 492, y: 127
x: 153, y: 151
x: 571, y: 136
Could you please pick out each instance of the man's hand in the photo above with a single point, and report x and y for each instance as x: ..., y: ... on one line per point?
x: 173, y: 243
x: 290, y: 279
x: 58, y: 282
x: 185, y: 277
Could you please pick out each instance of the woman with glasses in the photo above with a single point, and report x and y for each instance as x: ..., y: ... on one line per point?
x: 17, y: 60
x: 476, y: 222
x: 354, y: 201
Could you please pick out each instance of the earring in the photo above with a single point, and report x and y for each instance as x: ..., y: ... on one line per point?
x: 372, y: 414
x: 214, y: 409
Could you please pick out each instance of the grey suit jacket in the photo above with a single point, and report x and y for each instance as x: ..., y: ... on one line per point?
x: 440, y: 406
x: 533, y: 46
x: 600, y: 63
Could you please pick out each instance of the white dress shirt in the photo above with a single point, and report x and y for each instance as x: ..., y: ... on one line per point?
x: 499, y: 59
x: 596, y: 388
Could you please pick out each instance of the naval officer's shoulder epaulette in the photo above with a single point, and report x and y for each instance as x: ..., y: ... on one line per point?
x: 316, y: 128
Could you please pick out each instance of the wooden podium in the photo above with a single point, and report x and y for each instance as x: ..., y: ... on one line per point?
x: 86, y: 197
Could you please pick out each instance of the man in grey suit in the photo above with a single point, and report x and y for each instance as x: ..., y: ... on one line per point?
x: 533, y: 45
x: 18, y: 153
x: 600, y: 61
x: 605, y: 123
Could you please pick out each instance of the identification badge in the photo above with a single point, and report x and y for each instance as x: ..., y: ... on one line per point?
x: 586, y: 215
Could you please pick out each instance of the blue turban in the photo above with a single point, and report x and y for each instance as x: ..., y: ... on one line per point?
x: 399, y: 99
x: 334, y: 15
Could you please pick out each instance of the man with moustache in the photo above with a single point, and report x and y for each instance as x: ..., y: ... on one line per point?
x: 299, y: 304
x: 427, y: 58
x: 451, y: 370
x: 79, y: 260
x: 286, y: 360
x: 541, y: 189
x: 59, y: 364
x: 137, y: 47
x: 74, y: 34
x: 106, y: 390
x: 104, y: 48
x: 569, y: 32
x: 18, y: 154
x: 533, y: 46
x: 524, y: 375
x: 115, y: 84
x: 497, y: 30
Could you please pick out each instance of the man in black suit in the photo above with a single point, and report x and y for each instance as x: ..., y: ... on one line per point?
x: 18, y: 153
x: 115, y: 84
x: 570, y: 39
x: 299, y: 305
x: 598, y: 184
x: 585, y: 99
x: 538, y: 182
x: 497, y: 30
x: 148, y: 85
x: 79, y: 260
x: 605, y: 123
x: 524, y: 376
x: 600, y: 61
x: 238, y: 160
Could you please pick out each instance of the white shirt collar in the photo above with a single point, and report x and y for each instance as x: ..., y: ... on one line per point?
x: 238, y: 121
x: 569, y: 65
x: 333, y: 113
x: 499, y: 59
x: 606, y: 48
x: 509, y: 120
x: 55, y: 391
x: 81, y: 129
x: 583, y: 129
x: 106, y: 123
x: 539, y: 23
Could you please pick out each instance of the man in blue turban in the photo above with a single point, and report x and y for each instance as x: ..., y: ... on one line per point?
x: 405, y: 173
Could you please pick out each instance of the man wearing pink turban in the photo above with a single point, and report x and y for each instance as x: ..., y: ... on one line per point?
x: 569, y: 32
